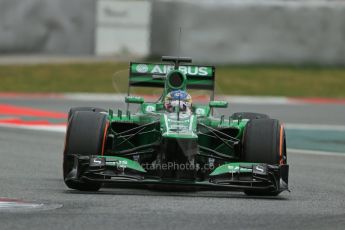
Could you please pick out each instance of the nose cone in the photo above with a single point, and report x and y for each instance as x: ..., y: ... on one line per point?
x: 179, y: 126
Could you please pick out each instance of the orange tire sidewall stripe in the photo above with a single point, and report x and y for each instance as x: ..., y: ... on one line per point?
x: 65, y: 144
x: 104, y: 136
x: 281, y: 144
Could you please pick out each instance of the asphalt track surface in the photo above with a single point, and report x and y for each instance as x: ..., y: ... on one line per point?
x: 30, y: 170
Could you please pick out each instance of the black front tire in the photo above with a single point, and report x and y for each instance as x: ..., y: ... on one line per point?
x: 90, y: 109
x: 261, y: 193
x: 264, y: 142
x: 84, y: 137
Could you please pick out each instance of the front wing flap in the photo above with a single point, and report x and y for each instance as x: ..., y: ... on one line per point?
x: 231, y: 176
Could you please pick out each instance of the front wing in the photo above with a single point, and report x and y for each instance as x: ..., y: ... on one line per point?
x: 123, y: 172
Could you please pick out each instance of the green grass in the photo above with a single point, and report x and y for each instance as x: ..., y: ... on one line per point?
x: 238, y: 80
x: 282, y: 81
x: 95, y: 77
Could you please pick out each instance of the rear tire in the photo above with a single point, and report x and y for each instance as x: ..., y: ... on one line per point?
x: 250, y: 116
x: 264, y: 142
x: 84, y: 137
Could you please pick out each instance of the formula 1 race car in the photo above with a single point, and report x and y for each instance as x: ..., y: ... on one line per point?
x: 174, y: 143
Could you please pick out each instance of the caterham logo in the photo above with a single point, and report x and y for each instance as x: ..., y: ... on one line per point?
x: 142, y: 68
x: 200, y: 111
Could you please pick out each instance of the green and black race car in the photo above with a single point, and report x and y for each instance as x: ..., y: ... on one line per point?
x: 165, y: 145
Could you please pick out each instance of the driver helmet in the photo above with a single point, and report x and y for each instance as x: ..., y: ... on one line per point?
x: 178, y: 98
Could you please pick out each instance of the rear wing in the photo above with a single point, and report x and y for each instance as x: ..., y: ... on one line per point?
x: 152, y: 75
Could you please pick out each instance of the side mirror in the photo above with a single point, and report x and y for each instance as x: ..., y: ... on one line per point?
x: 218, y: 104
x: 134, y: 99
